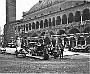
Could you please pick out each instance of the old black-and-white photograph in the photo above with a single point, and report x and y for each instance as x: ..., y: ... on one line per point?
x: 45, y: 36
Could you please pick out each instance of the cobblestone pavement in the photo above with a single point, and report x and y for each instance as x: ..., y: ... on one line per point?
x: 69, y: 64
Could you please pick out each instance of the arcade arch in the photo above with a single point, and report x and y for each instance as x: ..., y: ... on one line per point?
x: 41, y: 24
x: 49, y: 22
x: 33, y: 25
x: 73, y: 31
x: 45, y: 23
x: 37, y: 25
x: 29, y: 26
x: 77, y: 16
x: 58, y: 20
x: 70, y: 18
x: 86, y: 14
x: 53, y: 21
x: 64, y: 19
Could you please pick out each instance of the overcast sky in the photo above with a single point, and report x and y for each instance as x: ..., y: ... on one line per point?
x: 21, y: 5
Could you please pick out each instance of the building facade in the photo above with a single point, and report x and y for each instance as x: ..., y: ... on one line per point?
x: 56, y: 17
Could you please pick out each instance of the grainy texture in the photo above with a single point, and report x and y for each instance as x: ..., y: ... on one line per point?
x: 11, y: 64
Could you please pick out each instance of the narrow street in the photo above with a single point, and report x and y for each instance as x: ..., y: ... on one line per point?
x: 74, y: 64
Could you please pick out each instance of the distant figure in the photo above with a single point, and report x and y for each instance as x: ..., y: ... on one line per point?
x: 62, y: 49
x: 18, y: 42
x: 59, y: 51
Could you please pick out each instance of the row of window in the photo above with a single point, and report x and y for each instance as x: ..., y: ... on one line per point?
x: 47, y: 22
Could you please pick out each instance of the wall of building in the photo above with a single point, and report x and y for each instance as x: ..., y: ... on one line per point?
x: 60, y: 10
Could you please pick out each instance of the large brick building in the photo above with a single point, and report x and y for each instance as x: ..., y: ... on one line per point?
x: 56, y: 17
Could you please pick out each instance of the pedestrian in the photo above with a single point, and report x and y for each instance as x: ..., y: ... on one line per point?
x: 62, y: 49
x: 59, y: 52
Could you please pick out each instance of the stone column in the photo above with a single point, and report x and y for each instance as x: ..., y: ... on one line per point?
x: 67, y: 20
x: 85, y: 41
x: 31, y: 27
x: 39, y: 26
x: 61, y: 21
x: 69, y: 41
x: 81, y: 19
x: 76, y: 42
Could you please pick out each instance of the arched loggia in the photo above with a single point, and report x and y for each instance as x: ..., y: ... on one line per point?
x: 58, y: 20
x: 86, y: 14
x: 33, y: 25
x: 41, y: 24
x: 73, y: 31
x: 49, y: 22
x: 64, y: 19
x: 37, y: 25
x: 70, y: 18
x: 45, y: 23
x: 53, y: 21
x: 77, y: 16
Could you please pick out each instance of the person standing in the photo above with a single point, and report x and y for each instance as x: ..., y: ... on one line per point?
x: 59, y: 52
x: 62, y: 49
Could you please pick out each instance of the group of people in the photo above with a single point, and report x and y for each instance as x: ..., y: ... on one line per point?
x: 50, y: 49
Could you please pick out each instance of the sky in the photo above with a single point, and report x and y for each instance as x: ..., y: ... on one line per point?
x: 21, y: 6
